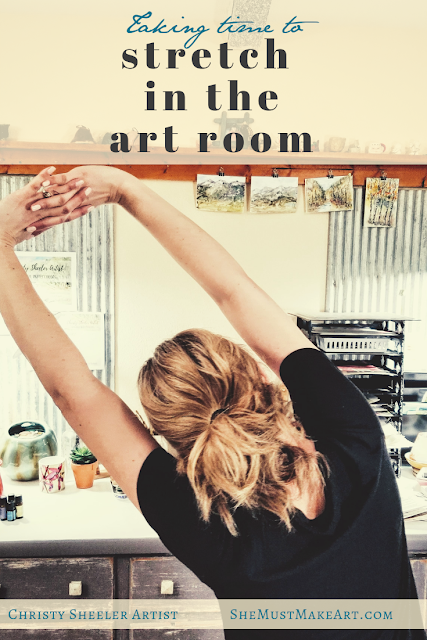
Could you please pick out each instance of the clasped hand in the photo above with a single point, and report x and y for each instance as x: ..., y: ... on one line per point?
x: 26, y: 213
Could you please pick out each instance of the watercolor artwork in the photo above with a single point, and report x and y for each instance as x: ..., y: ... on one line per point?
x: 221, y: 193
x: 273, y: 195
x: 381, y: 202
x: 329, y: 194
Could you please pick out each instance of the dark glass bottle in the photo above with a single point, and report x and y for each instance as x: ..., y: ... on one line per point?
x: 11, y: 508
x: 3, y: 503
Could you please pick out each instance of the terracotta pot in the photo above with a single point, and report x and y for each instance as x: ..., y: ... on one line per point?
x: 84, y: 474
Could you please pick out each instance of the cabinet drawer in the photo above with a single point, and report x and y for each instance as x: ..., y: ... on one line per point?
x: 146, y: 577
x: 174, y: 634
x: 39, y: 578
x: 419, y: 569
x: 57, y: 634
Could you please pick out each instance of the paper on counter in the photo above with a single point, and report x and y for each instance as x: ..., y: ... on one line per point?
x: 413, y: 501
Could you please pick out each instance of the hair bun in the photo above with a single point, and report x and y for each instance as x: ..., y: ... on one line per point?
x: 217, y: 413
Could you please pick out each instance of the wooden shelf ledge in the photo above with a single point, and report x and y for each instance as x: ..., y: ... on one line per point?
x: 26, y: 158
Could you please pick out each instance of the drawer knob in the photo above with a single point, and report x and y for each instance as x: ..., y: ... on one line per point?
x: 75, y: 588
x: 166, y: 587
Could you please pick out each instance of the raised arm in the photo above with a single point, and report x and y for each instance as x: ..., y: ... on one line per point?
x: 262, y: 324
x: 104, y: 422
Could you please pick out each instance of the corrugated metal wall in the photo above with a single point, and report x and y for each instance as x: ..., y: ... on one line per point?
x: 21, y: 395
x: 380, y: 269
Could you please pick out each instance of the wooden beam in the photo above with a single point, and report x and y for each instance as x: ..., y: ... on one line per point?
x: 414, y: 176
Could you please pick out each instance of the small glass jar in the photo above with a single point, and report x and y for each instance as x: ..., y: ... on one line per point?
x: 19, y: 507
x: 117, y: 491
x: 11, y: 508
x: 3, y: 505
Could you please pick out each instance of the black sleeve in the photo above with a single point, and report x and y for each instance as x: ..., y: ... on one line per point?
x: 336, y: 415
x: 325, y: 401
x: 168, y: 503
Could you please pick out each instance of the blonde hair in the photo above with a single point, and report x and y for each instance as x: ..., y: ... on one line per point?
x: 236, y: 436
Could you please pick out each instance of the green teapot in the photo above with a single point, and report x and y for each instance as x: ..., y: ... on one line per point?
x: 25, y: 444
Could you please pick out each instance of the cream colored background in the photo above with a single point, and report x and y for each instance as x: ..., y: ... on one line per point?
x: 284, y: 253
x: 359, y: 73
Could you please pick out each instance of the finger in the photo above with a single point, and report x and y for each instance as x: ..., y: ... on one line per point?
x: 46, y: 203
x: 44, y: 176
x: 59, y: 179
x: 43, y: 201
x: 61, y: 204
x: 37, y: 233
x: 25, y: 235
x: 77, y: 200
x: 75, y: 183
x: 52, y: 221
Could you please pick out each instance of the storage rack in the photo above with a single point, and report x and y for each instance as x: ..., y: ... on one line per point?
x: 369, y: 350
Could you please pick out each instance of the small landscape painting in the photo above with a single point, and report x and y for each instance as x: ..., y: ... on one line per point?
x: 381, y: 202
x: 221, y: 193
x: 329, y: 194
x: 273, y: 195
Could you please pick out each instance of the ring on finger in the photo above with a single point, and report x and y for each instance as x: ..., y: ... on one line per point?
x: 46, y: 194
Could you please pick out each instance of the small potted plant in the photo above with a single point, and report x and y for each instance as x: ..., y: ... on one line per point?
x: 83, y: 464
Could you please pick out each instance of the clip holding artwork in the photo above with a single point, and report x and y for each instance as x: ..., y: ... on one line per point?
x: 274, y: 194
x: 333, y: 193
x: 221, y: 193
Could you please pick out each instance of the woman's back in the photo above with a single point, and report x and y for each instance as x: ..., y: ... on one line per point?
x: 354, y: 549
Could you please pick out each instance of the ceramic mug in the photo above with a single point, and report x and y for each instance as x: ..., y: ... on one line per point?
x: 52, y: 474
x: 376, y: 147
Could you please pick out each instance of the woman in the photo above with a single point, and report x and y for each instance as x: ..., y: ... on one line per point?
x: 258, y: 503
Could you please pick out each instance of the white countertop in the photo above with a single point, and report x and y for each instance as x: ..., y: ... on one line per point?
x: 94, y: 522
x: 73, y: 514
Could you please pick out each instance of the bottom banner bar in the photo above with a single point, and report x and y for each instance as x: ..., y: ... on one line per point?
x: 212, y: 614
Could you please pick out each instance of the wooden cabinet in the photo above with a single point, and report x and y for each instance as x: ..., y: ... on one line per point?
x: 169, y: 579
x: 50, y: 578
x: 46, y: 578
x: 419, y: 568
x: 150, y: 577
x: 57, y: 634
x: 136, y: 578
x: 178, y: 634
